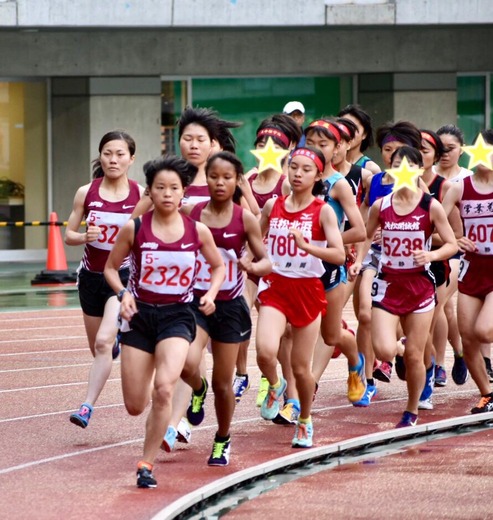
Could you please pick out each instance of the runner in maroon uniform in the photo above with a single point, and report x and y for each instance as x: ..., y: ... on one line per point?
x: 232, y: 228
x: 404, y: 290
x: 106, y: 204
x: 298, y: 228
x: 159, y: 323
x: 474, y: 197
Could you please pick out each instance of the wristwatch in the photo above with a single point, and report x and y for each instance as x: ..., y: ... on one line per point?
x: 121, y: 293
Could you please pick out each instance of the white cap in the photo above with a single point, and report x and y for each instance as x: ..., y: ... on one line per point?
x: 292, y: 106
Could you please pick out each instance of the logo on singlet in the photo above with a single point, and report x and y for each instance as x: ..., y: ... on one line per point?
x: 127, y: 207
x: 95, y: 204
x: 149, y: 245
x: 418, y: 217
x: 186, y: 246
x: 306, y: 216
x: 229, y: 235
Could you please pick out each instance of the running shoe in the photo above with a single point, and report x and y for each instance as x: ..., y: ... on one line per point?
x: 262, y: 391
x: 145, y: 478
x: 400, y: 367
x: 440, y: 376
x: 425, y: 404
x: 183, y: 431
x: 220, y: 453
x: 303, y: 435
x: 383, y: 372
x: 169, y: 439
x: 427, y: 392
x: 241, y: 385
x: 115, y: 352
x: 371, y: 392
x: 460, y: 374
x: 357, y: 381
x: 195, y: 412
x: 81, y: 418
x: 288, y: 415
x: 407, y: 419
x: 485, y: 404
x: 270, y: 406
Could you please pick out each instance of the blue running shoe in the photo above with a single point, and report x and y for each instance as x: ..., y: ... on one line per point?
x: 81, y: 418
x: 270, y: 407
x: 440, y: 376
x: 356, y: 382
x: 115, y: 352
x: 407, y: 419
x: 241, y: 385
x: 169, y: 439
x: 460, y: 374
x: 195, y: 412
x: 371, y: 392
x: 145, y: 478
x: 220, y: 453
x: 303, y: 435
x: 429, y: 383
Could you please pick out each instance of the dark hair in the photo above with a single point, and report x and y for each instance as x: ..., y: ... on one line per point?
x: 284, y: 123
x: 488, y: 135
x: 224, y: 136
x: 413, y: 154
x: 322, y: 131
x: 435, y: 143
x: 404, y: 132
x: 205, y: 117
x: 237, y: 164
x: 365, y: 120
x: 319, y: 188
x: 348, y: 125
x: 452, y: 130
x: 185, y: 170
x: 114, y: 135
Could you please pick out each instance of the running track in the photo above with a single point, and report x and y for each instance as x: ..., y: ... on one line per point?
x: 50, y: 469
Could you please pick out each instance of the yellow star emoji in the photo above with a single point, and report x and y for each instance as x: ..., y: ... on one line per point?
x: 480, y: 153
x: 405, y: 176
x: 270, y: 157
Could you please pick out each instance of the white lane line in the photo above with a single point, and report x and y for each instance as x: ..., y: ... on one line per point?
x: 4, y: 317
x: 57, y: 327
x: 43, y: 368
x: 49, y: 414
x: 60, y: 385
x: 34, y: 352
x: 33, y: 340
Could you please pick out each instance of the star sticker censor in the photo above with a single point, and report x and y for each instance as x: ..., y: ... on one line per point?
x: 270, y: 157
x: 479, y: 153
x: 405, y: 176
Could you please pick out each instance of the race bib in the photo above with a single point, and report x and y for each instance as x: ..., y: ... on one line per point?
x: 480, y: 231
x: 203, y: 280
x: 378, y: 289
x: 110, y: 224
x: 167, y: 272
x: 397, y: 248
x: 463, y: 267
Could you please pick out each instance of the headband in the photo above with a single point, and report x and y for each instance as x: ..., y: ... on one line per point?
x: 427, y: 137
x: 274, y: 132
x: 344, y: 129
x: 311, y: 155
x: 329, y: 126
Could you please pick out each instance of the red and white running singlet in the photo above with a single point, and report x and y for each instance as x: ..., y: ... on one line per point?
x: 230, y: 240
x: 110, y: 217
x: 403, y: 234
x: 163, y: 273
x: 195, y: 194
x: 476, y: 211
x: 262, y: 198
x: 287, y: 259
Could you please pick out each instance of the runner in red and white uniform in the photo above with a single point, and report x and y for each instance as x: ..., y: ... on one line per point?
x: 233, y: 228
x: 106, y: 205
x: 301, y: 230
x: 474, y: 197
x: 159, y: 323
x: 404, y: 291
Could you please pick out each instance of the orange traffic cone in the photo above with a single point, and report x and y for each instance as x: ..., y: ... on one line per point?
x: 56, y: 272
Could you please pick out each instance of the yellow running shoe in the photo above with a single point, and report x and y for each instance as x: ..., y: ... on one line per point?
x: 262, y: 391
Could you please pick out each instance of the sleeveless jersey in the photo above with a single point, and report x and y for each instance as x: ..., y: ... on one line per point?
x: 476, y: 211
x: 436, y: 187
x: 463, y: 173
x: 377, y: 189
x: 262, y: 198
x: 333, y: 203
x: 195, y: 194
x: 354, y: 178
x: 402, y: 234
x: 163, y: 273
x: 230, y: 241
x: 362, y: 161
x: 287, y: 259
x: 110, y: 217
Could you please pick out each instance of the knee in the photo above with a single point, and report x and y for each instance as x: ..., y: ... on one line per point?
x: 364, y: 318
x: 484, y: 333
x: 103, y: 344
x: 221, y: 387
x: 134, y: 408
x: 162, y: 394
x: 332, y: 335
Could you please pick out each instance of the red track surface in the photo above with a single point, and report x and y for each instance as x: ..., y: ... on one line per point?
x: 51, y: 469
